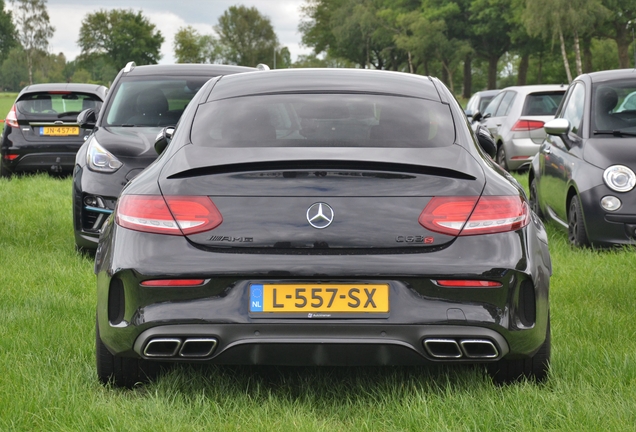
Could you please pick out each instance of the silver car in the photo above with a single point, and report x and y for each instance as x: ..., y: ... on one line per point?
x: 516, y: 116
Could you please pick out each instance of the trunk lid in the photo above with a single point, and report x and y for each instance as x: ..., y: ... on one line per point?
x: 319, y: 200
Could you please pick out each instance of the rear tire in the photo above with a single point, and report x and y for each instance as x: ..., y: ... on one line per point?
x: 534, y: 198
x: 576, y: 228
x: 533, y: 369
x: 121, y: 371
x: 501, y: 157
x: 4, y: 172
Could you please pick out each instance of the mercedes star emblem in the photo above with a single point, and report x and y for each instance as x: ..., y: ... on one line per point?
x: 320, y: 215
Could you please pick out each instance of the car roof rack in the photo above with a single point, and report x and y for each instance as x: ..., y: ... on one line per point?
x: 129, y: 66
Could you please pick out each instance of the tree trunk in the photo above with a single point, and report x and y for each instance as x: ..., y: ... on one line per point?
x: 622, y: 44
x: 29, y: 56
x: 540, y: 71
x: 367, y: 66
x: 449, y: 74
x: 445, y: 75
x: 577, y: 52
x: 468, y: 76
x: 410, y: 62
x: 492, y: 71
x: 524, y: 64
x: 565, y: 57
x: 587, y: 54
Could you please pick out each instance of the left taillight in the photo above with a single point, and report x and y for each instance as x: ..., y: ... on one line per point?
x: 12, y: 118
x: 464, y: 216
x: 527, y: 125
x: 173, y: 215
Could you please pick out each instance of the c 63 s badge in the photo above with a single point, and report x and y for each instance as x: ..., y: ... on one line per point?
x: 231, y: 239
x: 415, y: 239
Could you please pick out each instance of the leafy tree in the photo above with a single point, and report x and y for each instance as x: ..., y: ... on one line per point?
x: 119, y: 36
x: 7, y: 31
x: 619, y: 26
x: 34, y: 29
x: 189, y: 46
x: 14, y: 73
x: 246, y: 37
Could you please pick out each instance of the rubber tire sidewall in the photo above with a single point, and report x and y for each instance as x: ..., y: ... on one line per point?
x: 578, y: 238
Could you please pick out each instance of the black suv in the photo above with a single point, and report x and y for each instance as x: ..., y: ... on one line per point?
x: 41, y: 131
x: 142, y: 101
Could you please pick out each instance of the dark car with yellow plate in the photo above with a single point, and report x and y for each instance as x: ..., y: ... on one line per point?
x: 322, y: 217
x: 41, y: 131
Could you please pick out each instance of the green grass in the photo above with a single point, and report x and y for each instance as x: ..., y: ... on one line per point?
x: 48, y: 380
x: 6, y: 101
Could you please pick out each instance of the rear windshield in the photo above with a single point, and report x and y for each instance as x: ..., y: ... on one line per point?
x: 542, y: 104
x: 56, y: 104
x: 151, y: 100
x: 323, y: 120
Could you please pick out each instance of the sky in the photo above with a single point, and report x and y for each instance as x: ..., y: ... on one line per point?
x: 170, y: 15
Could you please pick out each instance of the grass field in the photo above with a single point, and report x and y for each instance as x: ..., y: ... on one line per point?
x: 48, y: 380
x: 6, y: 101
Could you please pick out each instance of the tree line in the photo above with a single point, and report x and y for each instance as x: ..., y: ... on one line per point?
x: 470, y: 44
x: 474, y: 44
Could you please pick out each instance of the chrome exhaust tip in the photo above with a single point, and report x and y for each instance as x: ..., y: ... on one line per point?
x: 162, y: 347
x: 479, y: 348
x: 198, y: 347
x: 443, y: 348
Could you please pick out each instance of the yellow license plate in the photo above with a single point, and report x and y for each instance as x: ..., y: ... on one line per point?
x: 319, y: 298
x: 59, y: 130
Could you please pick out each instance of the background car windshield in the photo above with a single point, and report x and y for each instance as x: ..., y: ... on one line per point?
x: 614, y: 106
x: 323, y: 120
x: 151, y: 101
x: 56, y: 104
x: 542, y: 104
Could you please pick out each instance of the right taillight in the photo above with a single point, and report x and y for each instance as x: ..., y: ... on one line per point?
x: 173, y: 215
x: 465, y: 216
x: 527, y: 125
x: 12, y: 118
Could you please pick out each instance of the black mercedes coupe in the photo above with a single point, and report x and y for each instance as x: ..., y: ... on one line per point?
x: 322, y: 217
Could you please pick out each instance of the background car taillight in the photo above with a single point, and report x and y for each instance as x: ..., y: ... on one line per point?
x: 527, y: 125
x: 12, y: 118
x: 174, y: 215
x: 473, y: 215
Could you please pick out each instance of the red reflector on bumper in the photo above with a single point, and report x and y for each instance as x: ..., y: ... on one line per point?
x: 451, y: 283
x: 173, y: 282
x: 11, y: 156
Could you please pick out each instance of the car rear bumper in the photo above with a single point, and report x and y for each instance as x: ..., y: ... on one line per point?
x: 520, y: 151
x: 513, y: 318
x: 325, y: 344
x: 50, y: 161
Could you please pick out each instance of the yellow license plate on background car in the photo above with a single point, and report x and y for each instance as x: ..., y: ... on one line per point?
x: 59, y: 130
x: 321, y: 298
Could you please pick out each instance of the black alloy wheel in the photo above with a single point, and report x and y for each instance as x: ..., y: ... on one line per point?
x: 576, y: 228
x: 534, y: 198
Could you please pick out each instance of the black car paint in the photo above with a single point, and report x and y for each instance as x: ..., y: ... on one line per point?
x: 133, y: 146
x: 49, y: 154
x: 515, y: 321
x: 572, y: 166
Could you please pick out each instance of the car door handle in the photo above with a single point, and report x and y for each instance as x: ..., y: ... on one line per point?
x: 547, y: 150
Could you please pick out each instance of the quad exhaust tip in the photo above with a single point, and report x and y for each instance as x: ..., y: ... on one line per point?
x: 464, y: 348
x: 176, y: 347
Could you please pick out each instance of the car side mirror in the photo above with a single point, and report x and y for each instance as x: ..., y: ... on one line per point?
x: 87, y: 119
x: 477, y: 116
x: 558, y: 126
x: 163, y: 139
x: 486, y: 141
